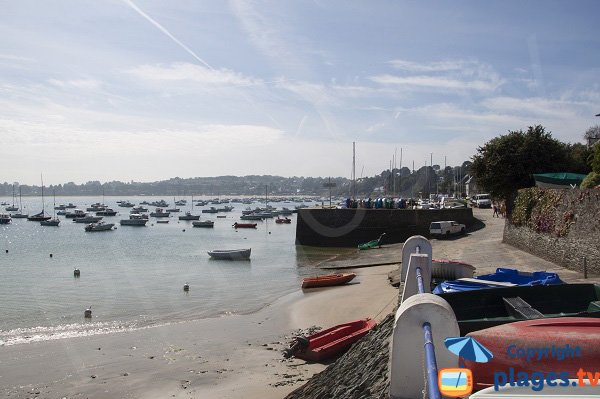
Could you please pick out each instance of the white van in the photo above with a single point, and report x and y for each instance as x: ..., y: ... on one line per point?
x: 446, y: 228
x: 482, y: 201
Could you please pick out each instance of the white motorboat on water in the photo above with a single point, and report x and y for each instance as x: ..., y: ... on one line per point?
x: 5, y: 218
x: 230, y: 254
x: 135, y: 219
x: 99, y: 226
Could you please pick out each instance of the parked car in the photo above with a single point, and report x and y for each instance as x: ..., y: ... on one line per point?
x: 446, y: 228
x: 482, y: 201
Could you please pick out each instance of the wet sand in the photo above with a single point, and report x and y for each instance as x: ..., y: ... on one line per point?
x: 229, y: 357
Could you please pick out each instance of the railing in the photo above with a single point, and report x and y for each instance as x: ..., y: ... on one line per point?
x: 433, y: 390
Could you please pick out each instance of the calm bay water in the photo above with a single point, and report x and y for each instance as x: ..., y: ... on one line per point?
x: 133, y: 277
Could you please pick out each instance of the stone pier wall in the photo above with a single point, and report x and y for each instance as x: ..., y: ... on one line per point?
x: 562, y: 226
x: 350, y: 227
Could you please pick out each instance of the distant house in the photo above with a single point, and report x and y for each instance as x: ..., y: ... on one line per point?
x: 470, y: 186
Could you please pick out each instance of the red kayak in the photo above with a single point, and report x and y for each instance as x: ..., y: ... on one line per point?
x: 557, y: 345
x: 331, y: 342
x: 328, y: 280
x: 244, y: 225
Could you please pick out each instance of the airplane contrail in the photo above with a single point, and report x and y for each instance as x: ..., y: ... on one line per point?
x: 166, y: 32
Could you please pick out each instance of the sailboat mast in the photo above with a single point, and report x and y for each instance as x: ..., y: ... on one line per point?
x: 42, y: 178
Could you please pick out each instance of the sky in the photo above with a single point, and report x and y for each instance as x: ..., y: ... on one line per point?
x: 146, y: 90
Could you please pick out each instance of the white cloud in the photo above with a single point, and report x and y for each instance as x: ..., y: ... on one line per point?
x: 436, y: 66
x: 435, y: 82
x: 84, y: 84
x: 192, y: 73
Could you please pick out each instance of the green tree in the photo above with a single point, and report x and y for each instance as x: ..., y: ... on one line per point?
x: 595, y: 158
x: 506, y: 163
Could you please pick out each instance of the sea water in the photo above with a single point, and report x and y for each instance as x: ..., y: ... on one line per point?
x: 133, y: 277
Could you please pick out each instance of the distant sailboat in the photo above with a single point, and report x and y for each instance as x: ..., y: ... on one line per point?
x: 42, y: 215
x: 20, y: 215
x: 12, y: 208
x: 189, y: 215
x: 54, y: 221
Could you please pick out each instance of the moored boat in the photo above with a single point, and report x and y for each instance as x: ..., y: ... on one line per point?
x: 244, y: 225
x: 563, y: 345
x: 50, y: 222
x: 135, y: 219
x: 189, y: 216
x: 331, y: 342
x: 230, y: 254
x: 5, y: 218
x: 283, y: 220
x: 159, y: 213
x: 328, y: 280
x: 485, y: 308
x: 88, y: 219
x: 99, y: 226
x: 39, y: 217
x: 203, y: 223
x: 106, y: 212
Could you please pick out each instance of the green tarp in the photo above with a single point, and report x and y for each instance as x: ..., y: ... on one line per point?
x: 559, y: 179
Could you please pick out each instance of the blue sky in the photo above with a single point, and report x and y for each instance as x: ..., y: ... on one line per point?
x: 145, y: 90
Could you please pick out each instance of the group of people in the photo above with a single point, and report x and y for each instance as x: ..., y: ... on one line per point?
x: 499, y: 209
x: 380, y: 203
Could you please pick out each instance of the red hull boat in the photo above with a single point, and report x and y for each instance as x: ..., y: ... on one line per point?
x: 331, y: 342
x: 244, y: 225
x: 328, y: 280
x: 557, y: 345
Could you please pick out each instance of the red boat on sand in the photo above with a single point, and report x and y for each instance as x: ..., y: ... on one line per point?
x: 558, y: 345
x: 331, y: 342
x: 328, y: 280
x: 244, y: 225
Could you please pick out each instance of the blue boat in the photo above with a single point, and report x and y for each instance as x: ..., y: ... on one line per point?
x: 501, y: 278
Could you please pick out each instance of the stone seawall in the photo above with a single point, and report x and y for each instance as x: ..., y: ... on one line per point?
x: 350, y: 227
x: 561, y: 226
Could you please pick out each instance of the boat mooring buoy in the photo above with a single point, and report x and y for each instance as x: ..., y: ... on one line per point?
x: 88, y: 313
x: 50, y: 255
x: 183, y: 230
x: 76, y: 272
x: 186, y: 287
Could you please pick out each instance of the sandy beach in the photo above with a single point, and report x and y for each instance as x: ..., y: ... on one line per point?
x: 228, y: 357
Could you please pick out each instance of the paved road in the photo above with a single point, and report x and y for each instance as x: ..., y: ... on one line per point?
x: 483, y: 248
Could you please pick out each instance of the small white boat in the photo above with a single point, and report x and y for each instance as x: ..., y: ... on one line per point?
x: 230, y: 254
x: 203, y: 223
x: 99, y: 226
x: 5, y: 218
